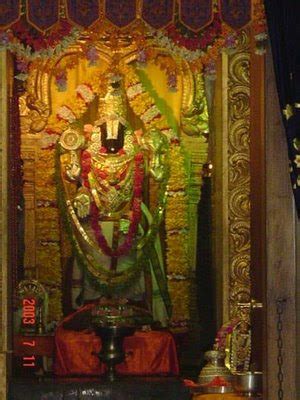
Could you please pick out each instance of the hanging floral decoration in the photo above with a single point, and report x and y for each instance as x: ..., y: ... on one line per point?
x: 197, y: 48
x: 108, y: 281
x: 200, y: 49
x: 28, y: 44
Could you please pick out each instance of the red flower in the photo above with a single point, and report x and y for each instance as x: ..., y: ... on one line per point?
x: 51, y: 131
x: 102, y: 174
x: 139, y: 157
x: 85, y: 154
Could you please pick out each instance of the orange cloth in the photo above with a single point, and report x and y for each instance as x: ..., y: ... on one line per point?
x: 149, y: 353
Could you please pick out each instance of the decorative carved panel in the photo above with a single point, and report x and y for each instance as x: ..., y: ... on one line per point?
x: 239, y: 176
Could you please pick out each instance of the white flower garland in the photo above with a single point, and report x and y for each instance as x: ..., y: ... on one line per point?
x: 86, y: 93
x: 163, y: 41
x: 65, y: 113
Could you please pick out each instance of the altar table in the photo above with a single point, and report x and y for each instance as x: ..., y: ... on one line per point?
x: 148, y: 353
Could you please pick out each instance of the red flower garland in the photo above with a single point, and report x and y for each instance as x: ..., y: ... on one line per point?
x: 126, y: 246
x: 226, y: 329
x: 183, y: 37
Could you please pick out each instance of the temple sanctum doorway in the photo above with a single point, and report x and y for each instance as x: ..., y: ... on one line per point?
x: 143, y: 186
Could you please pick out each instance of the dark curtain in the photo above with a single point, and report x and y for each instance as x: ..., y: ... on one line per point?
x: 284, y: 31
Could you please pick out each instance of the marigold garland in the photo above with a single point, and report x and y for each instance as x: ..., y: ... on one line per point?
x: 176, y: 221
x: 180, y: 294
x: 47, y: 236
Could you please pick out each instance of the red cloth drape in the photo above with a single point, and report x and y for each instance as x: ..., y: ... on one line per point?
x: 149, y: 353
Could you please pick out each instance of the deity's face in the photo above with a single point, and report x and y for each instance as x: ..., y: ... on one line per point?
x: 114, y: 85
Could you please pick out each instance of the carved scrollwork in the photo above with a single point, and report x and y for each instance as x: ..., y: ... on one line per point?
x: 34, y: 104
x: 239, y: 177
x: 38, y: 113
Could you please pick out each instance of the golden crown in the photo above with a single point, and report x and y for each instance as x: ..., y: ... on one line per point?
x: 113, y: 104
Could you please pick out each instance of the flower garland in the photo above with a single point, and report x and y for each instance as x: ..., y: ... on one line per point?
x: 200, y: 53
x: 110, y: 282
x: 77, y: 105
x: 222, y: 334
x: 47, y: 237
x: 176, y: 220
x: 126, y: 246
x: 200, y: 49
x: 259, y: 26
x: 29, y: 45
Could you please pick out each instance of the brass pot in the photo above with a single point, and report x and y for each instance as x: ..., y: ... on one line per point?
x: 215, y: 367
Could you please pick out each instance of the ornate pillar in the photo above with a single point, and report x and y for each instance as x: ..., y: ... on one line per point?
x: 239, y: 174
x: 231, y: 192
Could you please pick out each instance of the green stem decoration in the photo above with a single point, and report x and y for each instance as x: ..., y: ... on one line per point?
x: 167, y: 112
x: 160, y: 103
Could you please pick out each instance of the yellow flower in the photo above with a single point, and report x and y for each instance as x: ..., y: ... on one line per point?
x: 177, y: 254
x: 180, y: 297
